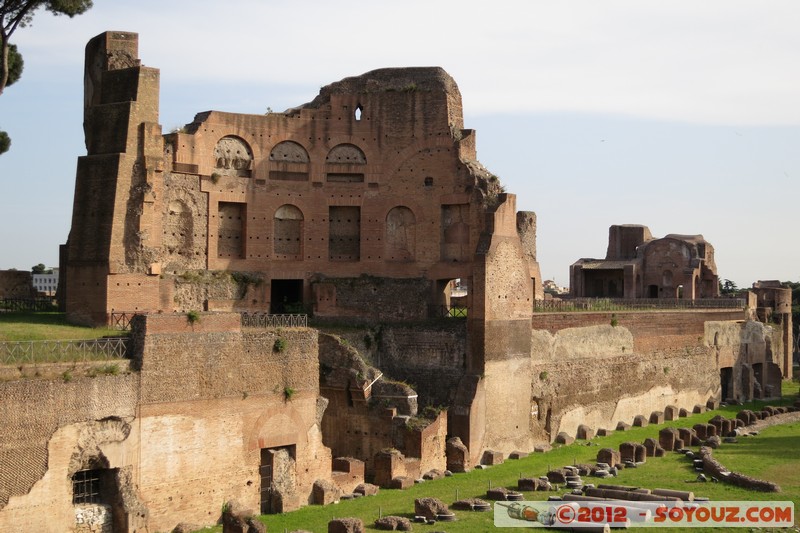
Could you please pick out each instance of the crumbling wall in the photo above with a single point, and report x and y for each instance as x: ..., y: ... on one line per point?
x: 599, y: 369
x: 431, y: 357
x: 372, y: 299
x: 212, y: 397
x: 51, y: 428
x: 16, y: 284
x: 750, y: 357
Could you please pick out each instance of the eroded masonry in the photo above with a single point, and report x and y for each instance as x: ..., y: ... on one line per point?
x: 364, y: 209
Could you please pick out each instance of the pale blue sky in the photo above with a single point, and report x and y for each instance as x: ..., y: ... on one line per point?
x: 680, y: 115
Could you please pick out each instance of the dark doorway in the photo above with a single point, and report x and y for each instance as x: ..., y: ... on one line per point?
x: 652, y: 291
x: 286, y: 296
x: 265, y: 471
x: 726, y: 379
x: 758, y: 380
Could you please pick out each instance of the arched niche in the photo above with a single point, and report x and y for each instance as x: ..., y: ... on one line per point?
x: 401, y: 227
x: 233, y: 157
x: 288, y: 161
x: 287, y: 232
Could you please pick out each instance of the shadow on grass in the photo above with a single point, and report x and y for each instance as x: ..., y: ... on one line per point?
x: 29, y: 317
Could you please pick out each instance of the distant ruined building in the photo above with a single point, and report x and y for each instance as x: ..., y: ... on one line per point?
x: 360, y: 209
x: 639, y: 266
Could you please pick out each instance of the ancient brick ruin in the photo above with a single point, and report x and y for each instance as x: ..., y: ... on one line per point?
x: 640, y: 266
x: 360, y: 208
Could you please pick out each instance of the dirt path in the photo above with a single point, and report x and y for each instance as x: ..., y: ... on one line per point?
x: 784, y: 418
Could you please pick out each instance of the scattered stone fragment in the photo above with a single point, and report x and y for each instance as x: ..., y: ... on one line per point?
x: 430, y: 507
x: 393, y: 523
x: 346, y: 525
x: 564, y: 438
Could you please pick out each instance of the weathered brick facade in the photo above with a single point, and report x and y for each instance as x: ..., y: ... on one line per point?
x: 361, y: 206
x: 375, y: 177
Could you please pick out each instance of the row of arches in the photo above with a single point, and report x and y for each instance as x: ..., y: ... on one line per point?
x: 232, y: 155
x: 288, y: 231
x: 400, y: 232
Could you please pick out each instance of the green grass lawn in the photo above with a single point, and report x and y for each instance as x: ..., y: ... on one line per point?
x: 30, y: 337
x: 773, y: 455
x: 30, y: 326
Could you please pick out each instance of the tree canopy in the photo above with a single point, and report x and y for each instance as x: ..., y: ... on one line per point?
x: 15, y: 14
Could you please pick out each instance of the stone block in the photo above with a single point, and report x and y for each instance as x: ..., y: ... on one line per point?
x: 622, y: 426
x: 542, y: 448
x: 640, y: 421
x: 700, y: 430
x: 401, y: 482
x: 683, y: 413
x: 667, y: 438
x: 564, y: 438
x: 659, y: 452
x: 609, y: 456
x: 657, y: 417
x: 699, y: 409
x: 671, y: 412
x: 491, y: 458
x: 325, y: 492
x: 393, y: 523
x: 627, y: 451
x: 557, y: 476
x: 603, y: 432
x: 689, y: 436
x: 238, y: 519
x: 517, y: 455
x: 533, y: 484
x: 727, y: 428
x: 346, y: 525
x: 585, y: 432
x: 457, y: 455
x: 433, y: 474
x: 367, y: 489
x: 712, y: 404
x: 650, y: 445
x: 430, y: 507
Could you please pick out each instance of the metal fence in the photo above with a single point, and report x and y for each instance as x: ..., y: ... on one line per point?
x: 121, y: 320
x: 443, y: 311
x: 634, y: 304
x: 21, y: 352
x: 265, y: 320
x: 27, y: 304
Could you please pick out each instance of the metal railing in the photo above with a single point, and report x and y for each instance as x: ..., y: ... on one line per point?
x: 265, y: 320
x: 104, y: 349
x: 121, y: 320
x: 634, y: 304
x: 443, y: 311
x: 27, y: 304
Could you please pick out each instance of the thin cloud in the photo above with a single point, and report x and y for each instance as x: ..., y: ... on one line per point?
x: 723, y: 62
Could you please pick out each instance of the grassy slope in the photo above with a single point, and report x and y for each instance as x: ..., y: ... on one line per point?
x: 772, y: 455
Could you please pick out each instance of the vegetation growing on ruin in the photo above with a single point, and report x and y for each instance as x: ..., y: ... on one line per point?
x: 279, y: 345
x: 771, y: 455
x: 192, y: 317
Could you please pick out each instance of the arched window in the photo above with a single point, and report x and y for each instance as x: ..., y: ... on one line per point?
x: 288, y: 232
x: 400, y: 234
